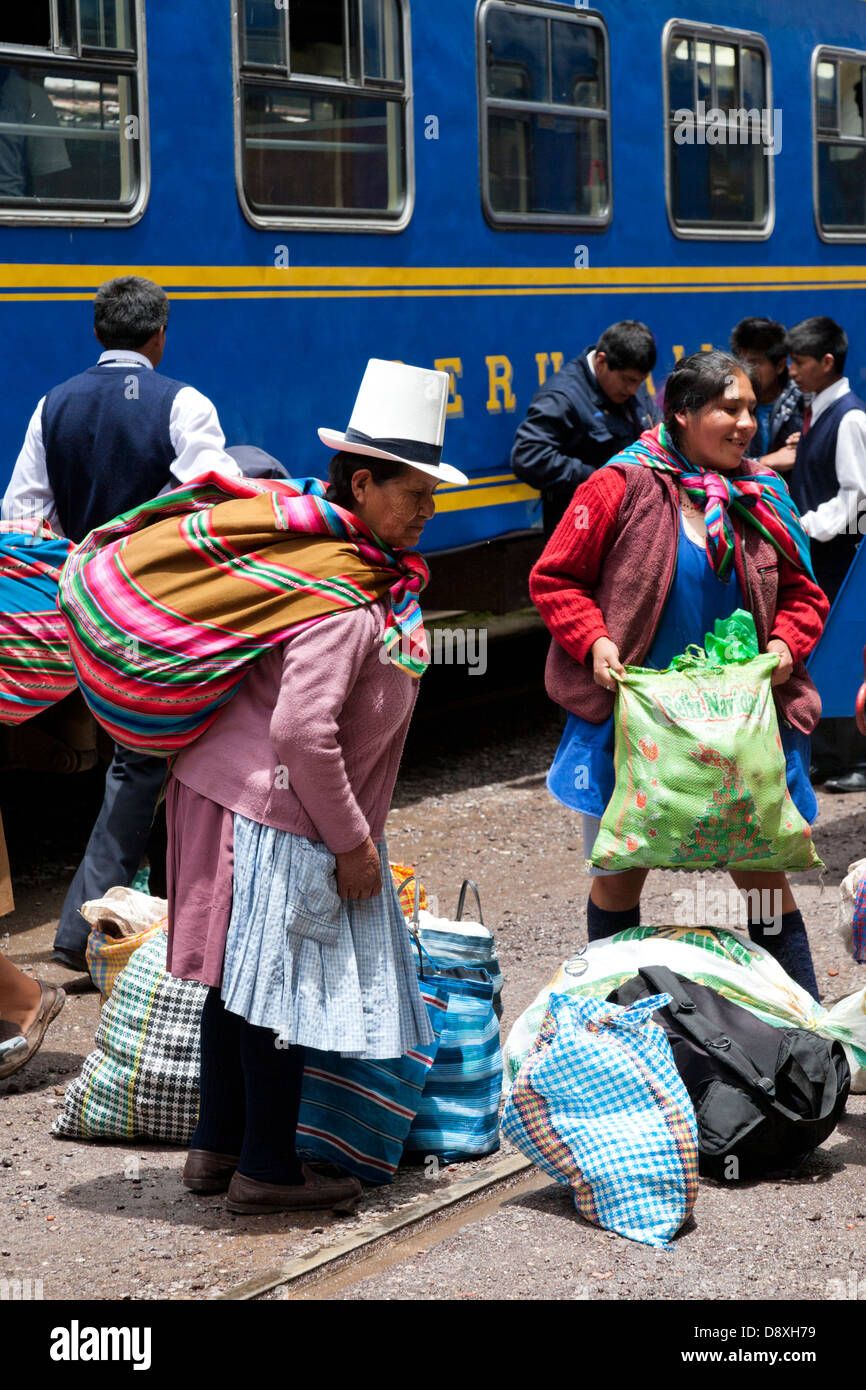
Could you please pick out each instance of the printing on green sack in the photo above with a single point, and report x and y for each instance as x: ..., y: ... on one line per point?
x: 700, y: 770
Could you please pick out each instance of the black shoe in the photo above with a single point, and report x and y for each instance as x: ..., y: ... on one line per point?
x: 854, y: 781
x: 73, y: 960
x: 819, y: 775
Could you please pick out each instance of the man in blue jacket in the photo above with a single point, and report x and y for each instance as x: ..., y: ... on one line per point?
x: 596, y: 405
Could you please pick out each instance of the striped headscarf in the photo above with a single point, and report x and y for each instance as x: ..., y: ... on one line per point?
x: 761, y: 499
x: 35, y: 666
x: 169, y: 605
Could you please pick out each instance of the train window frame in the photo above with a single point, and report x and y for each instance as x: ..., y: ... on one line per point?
x: 267, y: 75
x: 67, y: 59
x: 822, y: 53
x: 739, y: 38
x: 540, y: 221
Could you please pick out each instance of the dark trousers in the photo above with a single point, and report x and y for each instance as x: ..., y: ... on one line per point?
x: 118, y: 841
x: 837, y: 744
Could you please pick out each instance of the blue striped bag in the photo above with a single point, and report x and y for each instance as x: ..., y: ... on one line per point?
x: 599, y: 1104
x: 358, y: 1113
x: 460, y: 943
x: 458, y: 1116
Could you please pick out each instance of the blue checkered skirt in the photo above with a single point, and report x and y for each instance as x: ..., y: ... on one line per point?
x: 323, y: 973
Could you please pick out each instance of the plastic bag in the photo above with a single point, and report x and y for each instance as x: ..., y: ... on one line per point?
x: 700, y: 770
x: 600, y: 1105
x: 738, y: 968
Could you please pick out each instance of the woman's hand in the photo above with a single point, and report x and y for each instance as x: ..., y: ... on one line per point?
x: 786, y: 661
x: 359, y: 873
x: 605, y: 658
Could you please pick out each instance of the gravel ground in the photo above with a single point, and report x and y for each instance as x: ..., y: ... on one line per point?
x: 111, y: 1221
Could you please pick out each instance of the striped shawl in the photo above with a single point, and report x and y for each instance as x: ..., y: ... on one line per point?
x: 169, y: 605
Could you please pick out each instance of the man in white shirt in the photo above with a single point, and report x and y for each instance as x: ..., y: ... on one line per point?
x: 106, y: 440
x: 828, y: 484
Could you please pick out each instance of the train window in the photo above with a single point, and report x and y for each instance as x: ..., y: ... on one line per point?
x: 721, y: 132
x: 545, y: 118
x: 72, y: 133
x: 61, y: 25
x: 839, y: 76
x: 323, y: 114
x: 104, y: 23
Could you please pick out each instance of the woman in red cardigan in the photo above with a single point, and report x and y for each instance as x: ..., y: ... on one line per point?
x: 655, y: 547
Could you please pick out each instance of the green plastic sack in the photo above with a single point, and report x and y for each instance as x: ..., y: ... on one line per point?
x: 700, y: 771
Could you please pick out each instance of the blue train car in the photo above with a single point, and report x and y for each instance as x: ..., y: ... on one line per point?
x: 477, y: 186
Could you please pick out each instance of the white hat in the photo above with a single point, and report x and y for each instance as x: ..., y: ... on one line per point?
x: 399, y: 414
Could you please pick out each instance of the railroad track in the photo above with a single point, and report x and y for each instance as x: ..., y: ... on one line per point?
x: 329, y: 1270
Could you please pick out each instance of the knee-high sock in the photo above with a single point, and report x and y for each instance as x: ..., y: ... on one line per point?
x: 221, y: 1115
x: 790, y: 947
x: 272, y: 1089
x: 601, y: 923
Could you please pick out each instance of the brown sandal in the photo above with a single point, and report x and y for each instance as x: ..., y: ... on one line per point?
x: 52, y: 1001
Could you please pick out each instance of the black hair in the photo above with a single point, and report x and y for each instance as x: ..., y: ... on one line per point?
x: 760, y: 335
x: 816, y: 337
x: 344, y: 466
x: 628, y: 345
x: 128, y: 311
x: 699, y: 379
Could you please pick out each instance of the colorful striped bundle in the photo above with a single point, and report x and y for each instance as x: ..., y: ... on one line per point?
x: 169, y: 605
x: 761, y: 499
x: 35, y: 665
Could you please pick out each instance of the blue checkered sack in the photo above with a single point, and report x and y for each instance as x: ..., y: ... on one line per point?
x: 600, y: 1105
x: 458, y: 1116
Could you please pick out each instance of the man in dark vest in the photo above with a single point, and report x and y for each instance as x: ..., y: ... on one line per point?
x: 109, y: 439
x: 593, y: 407
x: 828, y: 484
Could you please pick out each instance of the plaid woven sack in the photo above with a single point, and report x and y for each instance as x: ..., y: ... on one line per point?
x: 107, y: 957
x: 599, y: 1104
x: 141, y: 1080
x: 458, y: 1115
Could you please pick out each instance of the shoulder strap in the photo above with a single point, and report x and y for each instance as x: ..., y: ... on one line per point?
x: 706, y: 1034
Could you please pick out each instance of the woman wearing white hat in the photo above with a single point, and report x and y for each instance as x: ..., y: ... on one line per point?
x: 280, y: 894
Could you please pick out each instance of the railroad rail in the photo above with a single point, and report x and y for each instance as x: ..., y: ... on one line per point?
x: 331, y: 1268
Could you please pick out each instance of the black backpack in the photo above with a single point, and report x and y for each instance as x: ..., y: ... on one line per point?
x: 764, y: 1097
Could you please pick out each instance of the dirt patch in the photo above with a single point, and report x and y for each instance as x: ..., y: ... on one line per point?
x: 99, y: 1220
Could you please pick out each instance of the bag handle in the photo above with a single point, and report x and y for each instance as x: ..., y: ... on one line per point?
x: 414, y: 922
x: 468, y: 883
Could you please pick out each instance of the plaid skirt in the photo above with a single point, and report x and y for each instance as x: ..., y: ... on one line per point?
x: 323, y: 973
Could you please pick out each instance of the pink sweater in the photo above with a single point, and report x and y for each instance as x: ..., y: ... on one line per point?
x: 311, y: 741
